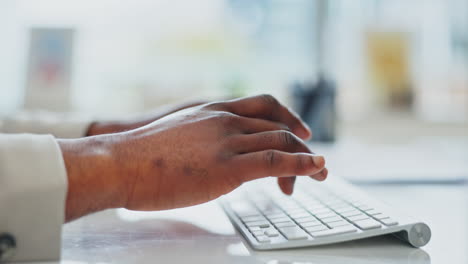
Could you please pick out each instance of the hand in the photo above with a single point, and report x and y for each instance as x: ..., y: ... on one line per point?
x: 189, y: 157
x: 116, y: 126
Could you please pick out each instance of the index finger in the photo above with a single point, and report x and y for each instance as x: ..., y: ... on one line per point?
x: 267, y: 107
x: 254, y: 165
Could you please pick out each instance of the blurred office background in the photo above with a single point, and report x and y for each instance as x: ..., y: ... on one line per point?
x: 398, y: 69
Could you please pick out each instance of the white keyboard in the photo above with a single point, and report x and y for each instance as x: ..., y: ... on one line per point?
x: 317, y: 213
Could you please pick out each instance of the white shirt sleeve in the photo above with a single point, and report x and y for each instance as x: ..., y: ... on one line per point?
x: 33, y: 186
x: 61, y: 125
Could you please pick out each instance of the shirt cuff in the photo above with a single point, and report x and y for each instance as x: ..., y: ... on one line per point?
x: 33, y: 186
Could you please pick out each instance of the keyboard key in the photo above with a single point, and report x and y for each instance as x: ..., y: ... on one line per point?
x: 320, y: 211
x: 389, y: 222
x: 345, y: 209
x: 307, y: 201
x: 306, y: 219
x: 351, y: 213
x: 281, y: 220
x: 316, y: 204
x: 287, y: 224
x: 246, y: 213
x: 334, y: 231
x: 338, y: 223
x: 339, y: 205
x: 317, y: 208
x: 373, y: 212
x: 261, y: 224
x: 248, y: 219
x: 258, y: 232
x: 331, y: 201
x: 325, y: 215
x: 266, y: 206
x: 296, y: 211
x: 316, y: 228
x: 332, y: 219
x: 358, y: 217
x: 271, y: 212
x: 271, y: 233
x: 299, y: 215
x: 275, y: 215
x: 291, y: 207
x: 367, y: 224
x: 293, y: 233
x: 310, y: 224
x: 254, y: 228
x: 380, y: 216
x: 263, y: 239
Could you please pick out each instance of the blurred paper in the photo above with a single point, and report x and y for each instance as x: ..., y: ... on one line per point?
x: 49, y: 69
x: 388, y: 62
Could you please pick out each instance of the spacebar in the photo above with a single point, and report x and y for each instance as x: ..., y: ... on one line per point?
x: 334, y: 231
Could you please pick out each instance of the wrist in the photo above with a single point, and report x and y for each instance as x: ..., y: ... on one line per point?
x: 94, y: 182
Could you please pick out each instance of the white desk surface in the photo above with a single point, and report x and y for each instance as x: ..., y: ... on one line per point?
x: 203, y: 234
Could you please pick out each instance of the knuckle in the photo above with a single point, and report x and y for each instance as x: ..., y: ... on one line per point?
x: 267, y: 138
x: 269, y: 99
x: 216, y: 106
x: 230, y: 146
x: 303, y: 163
x: 228, y: 119
x: 287, y: 138
x: 271, y: 158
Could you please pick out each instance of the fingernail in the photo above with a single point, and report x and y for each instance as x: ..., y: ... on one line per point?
x: 324, y: 173
x: 321, y: 176
x: 319, y: 161
x: 306, y: 126
x: 302, y: 133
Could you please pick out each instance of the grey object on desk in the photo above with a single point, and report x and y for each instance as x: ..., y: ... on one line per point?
x: 315, y: 103
x: 7, y: 246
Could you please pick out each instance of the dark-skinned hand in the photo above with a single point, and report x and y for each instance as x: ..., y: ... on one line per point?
x: 189, y: 157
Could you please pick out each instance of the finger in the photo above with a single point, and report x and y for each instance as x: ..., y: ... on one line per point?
x: 321, y: 176
x: 286, y: 184
x: 267, y: 107
x: 276, y: 163
x: 250, y: 125
x: 278, y: 140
